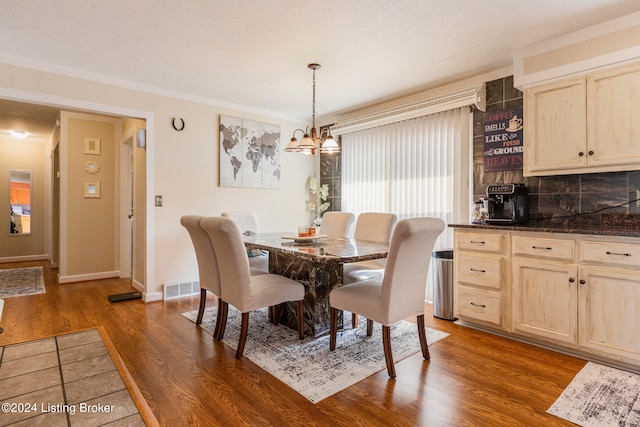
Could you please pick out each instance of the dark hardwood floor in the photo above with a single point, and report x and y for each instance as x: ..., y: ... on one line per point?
x: 472, y: 379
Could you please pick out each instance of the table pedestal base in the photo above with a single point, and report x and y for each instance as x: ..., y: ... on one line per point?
x: 318, y: 280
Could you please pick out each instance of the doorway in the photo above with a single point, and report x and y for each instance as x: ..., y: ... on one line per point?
x: 137, y: 232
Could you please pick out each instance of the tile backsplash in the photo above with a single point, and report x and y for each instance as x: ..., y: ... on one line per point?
x: 605, y: 193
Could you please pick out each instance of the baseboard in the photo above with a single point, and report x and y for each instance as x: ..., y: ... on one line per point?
x: 146, y: 297
x: 86, y: 277
x: 556, y: 348
x: 25, y: 258
x: 152, y: 296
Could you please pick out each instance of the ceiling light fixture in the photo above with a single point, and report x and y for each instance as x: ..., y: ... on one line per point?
x: 310, y: 143
x: 18, y: 134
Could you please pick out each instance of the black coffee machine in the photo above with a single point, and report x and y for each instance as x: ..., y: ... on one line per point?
x: 506, y: 204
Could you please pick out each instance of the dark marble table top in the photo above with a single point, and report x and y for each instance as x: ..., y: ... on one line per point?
x: 330, y: 250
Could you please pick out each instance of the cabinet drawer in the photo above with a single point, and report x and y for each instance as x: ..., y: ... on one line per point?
x: 559, y: 249
x: 478, y: 304
x: 626, y: 254
x: 484, y: 242
x: 481, y: 270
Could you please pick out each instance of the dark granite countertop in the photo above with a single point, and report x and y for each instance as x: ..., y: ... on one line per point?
x: 603, y: 225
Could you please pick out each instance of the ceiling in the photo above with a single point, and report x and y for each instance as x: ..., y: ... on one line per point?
x: 253, y: 55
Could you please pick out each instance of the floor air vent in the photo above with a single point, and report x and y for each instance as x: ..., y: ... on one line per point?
x: 181, y: 289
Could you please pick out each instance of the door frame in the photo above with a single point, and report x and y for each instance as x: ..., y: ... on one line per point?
x: 99, y: 108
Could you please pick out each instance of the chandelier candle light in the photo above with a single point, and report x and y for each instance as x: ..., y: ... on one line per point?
x: 310, y: 143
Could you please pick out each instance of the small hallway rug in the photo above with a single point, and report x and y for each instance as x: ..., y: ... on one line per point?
x: 16, y: 282
x: 600, y: 396
x: 307, y: 365
x: 75, y: 379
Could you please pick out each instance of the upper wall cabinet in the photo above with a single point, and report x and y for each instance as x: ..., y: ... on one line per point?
x: 585, y: 124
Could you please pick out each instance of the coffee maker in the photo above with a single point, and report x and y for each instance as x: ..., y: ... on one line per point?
x: 506, y: 204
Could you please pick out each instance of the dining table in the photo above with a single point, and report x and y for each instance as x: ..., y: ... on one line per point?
x: 316, y: 262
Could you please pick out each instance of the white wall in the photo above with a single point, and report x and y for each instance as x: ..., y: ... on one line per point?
x: 181, y: 166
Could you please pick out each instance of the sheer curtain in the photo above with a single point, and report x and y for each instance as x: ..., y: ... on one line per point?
x: 418, y: 167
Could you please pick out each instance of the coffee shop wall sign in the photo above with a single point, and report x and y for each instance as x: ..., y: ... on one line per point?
x: 503, y: 139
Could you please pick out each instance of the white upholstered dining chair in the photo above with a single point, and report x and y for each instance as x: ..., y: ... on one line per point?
x: 207, y: 265
x: 239, y: 288
x: 247, y: 222
x: 337, y: 224
x: 375, y: 227
x: 400, y: 293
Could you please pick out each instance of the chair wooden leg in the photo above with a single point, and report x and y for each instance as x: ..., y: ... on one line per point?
x: 333, y: 329
x: 203, y: 302
x: 354, y: 320
x: 221, y: 321
x: 423, y: 337
x: 386, y: 342
x: 301, y: 319
x: 369, y: 327
x: 244, y: 327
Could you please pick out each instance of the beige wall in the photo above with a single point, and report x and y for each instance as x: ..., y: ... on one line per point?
x: 90, y: 243
x: 181, y: 166
x: 23, y: 155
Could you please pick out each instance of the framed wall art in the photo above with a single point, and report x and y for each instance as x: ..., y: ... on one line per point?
x: 92, y: 189
x: 92, y: 146
x: 249, y: 153
x: 503, y: 142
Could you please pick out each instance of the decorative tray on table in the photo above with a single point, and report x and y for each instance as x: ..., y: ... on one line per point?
x: 305, y: 239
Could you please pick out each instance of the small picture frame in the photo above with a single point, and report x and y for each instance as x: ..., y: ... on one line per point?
x: 92, y: 167
x: 92, y: 189
x: 92, y: 146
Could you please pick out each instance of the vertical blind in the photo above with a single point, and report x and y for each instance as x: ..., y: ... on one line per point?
x: 419, y: 167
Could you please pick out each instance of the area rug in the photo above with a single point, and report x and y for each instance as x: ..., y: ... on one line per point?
x: 16, y: 282
x: 600, y: 396
x: 75, y: 379
x: 307, y: 365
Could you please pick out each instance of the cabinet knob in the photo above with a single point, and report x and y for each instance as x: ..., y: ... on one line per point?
x: 571, y: 280
x: 581, y: 153
x: 582, y: 282
x: 591, y: 152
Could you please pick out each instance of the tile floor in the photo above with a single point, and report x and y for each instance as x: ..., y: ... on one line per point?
x: 67, y: 380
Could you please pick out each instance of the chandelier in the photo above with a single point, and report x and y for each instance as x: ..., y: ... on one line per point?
x: 311, y: 141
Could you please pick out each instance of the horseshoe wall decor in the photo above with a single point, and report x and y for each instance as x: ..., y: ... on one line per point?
x: 179, y: 126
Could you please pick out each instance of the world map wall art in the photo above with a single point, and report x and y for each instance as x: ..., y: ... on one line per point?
x: 249, y: 153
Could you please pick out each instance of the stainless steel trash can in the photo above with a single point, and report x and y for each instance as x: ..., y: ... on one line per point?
x: 443, y: 284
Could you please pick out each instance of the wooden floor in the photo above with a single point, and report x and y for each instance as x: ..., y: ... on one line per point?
x: 472, y: 379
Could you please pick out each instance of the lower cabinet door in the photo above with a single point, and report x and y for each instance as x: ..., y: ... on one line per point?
x: 610, y: 312
x: 546, y: 300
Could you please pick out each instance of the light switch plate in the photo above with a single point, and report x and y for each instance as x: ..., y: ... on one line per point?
x: 158, y: 201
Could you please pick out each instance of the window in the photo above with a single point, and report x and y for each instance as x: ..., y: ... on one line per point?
x: 417, y: 167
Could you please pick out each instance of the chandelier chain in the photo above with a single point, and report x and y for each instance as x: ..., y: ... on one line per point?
x: 313, y: 106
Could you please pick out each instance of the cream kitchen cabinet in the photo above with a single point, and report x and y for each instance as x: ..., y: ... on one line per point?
x: 545, y: 293
x: 479, y: 273
x: 609, y: 299
x: 545, y: 300
x: 613, y: 117
x: 585, y: 124
x: 555, y: 127
x: 577, y: 292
